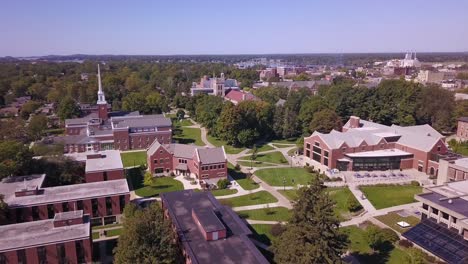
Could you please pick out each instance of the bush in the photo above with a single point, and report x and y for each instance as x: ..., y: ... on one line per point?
x: 389, y: 235
x: 277, y: 229
x: 193, y: 182
x: 222, y: 184
x: 414, y: 183
x: 405, y: 243
x: 237, y: 167
x: 309, y: 169
x: 353, y: 205
x: 172, y: 174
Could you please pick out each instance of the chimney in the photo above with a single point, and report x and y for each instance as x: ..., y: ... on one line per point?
x: 354, y: 122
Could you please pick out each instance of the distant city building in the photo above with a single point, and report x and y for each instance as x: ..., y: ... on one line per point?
x: 236, y: 97
x: 100, y: 130
x: 207, y: 231
x: 29, y: 201
x: 407, y: 66
x: 205, y: 164
x: 426, y: 76
x: 65, y: 238
x: 443, y: 230
x: 268, y: 73
x: 214, y: 86
x: 367, y: 146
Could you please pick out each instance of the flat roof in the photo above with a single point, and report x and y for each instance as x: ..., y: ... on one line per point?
x: 458, y: 205
x: 462, y: 162
x: 109, y: 160
x: 9, y: 185
x: 379, y: 153
x: 69, y: 193
x: 235, y: 248
x: 38, y: 233
x: 208, y: 220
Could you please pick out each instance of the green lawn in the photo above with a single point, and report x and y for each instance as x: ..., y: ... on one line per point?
x: 105, y: 226
x: 341, y: 195
x: 272, y: 157
x: 282, y: 145
x: 291, y: 141
x: 274, y: 176
x: 261, y: 148
x: 391, y: 220
x: 114, y: 232
x: 361, y: 250
x: 254, y: 164
x: 291, y: 151
x: 188, y: 135
x: 241, y: 178
x: 183, y: 122
x: 130, y: 159
x: 228, y: 148
x: 261, y: 197
x: 223, y: 192
x: 95, y: 235
x: 268, y: 214
x: 161, y: 185
x: 262, y: 233
x: 387, y: 196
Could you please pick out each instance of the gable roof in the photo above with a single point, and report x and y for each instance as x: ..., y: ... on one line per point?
x: 211, y: 155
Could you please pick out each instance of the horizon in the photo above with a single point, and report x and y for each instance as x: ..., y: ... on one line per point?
x: 247, y: 28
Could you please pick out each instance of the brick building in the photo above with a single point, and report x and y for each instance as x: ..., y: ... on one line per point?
x: 443, y: 230
x: 207, y: 231
x: 462, y: 128
x: 28, y: 201
x: 101, y: 130
x: 64, y: 239
x: 208, y: 164
x: 367, y: 146
x: 101, y: 165
x: 452, y: 169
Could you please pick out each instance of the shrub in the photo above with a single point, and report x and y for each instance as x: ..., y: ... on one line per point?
x: 309, y: 169
x: 193, y: 182
x: 222, y: 184
x: 237, y: 167
x: 353, y: 205
x: 415, y: 183
x: 405, y: 243
x: 277, y: 229
x: 149, y: 179
x: 172, y: 174
x: 389, y: 235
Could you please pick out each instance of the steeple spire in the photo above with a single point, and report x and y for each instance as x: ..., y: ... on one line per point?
x: 101, y: 96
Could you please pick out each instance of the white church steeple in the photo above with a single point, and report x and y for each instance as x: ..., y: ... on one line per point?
x: 101, y: 97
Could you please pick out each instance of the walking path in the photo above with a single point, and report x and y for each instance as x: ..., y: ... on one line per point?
x: 257, y: 206
x: 263, y: 222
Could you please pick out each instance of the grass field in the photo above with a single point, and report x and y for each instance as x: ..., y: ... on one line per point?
x: 341, y: 195
x: 223, y: 192
x: 291, y: 141
x: 130, y: 159
x: 274, y: 176
x: 254, y: 164
x: 161, y: 185
x: 183, y: 122
x: 268, y: 214
x: 241, y: 178
x: 362, y: 251
x: 114, y: 232
x: 218, y: 143
x: 391, y: 220
x: 261, y: 148
x: 262, y: 233
x: 188, y: 135
x: 272, y: 157
x: 261, y: 197
x: 387, y: 196
x: 290, y: 194
x: 95, y: 235
x: 282, y: 145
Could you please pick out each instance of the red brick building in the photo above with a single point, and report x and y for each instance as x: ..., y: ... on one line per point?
x: 101, y: 130
x: 101, y: 166
x: 367, y: 146
x: 207, y: 231
x: 203, y: 163
x: 462, y: 128
x: 28, y: 201
x: 64, y: 239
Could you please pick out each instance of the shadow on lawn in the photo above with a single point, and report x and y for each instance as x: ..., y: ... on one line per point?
x: 380, y: 256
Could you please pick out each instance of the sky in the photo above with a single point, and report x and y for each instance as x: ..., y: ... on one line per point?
x: 169, y: 27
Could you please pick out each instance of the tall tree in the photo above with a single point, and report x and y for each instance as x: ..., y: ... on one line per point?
x: 68, y: 108
x: 313, y: 228
x: 36, y: 126
x: 147, y: 238
x: 15, y: 159
x: 324, y: 121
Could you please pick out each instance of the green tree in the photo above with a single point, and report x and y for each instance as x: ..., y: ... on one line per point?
x: 415, y: 256
x: 36, y: 126
x: 147, y: 238
x: 313, y: 228
x: 29, y: 108
x: 180, y: 114
x: 374, y: 237
x: 302, y: 77
x: 15, y: 159
x: 134, y: 102
x: 148, y: 179
x: 324, y: 121
x: 68, y: 108
x: 247, y: 137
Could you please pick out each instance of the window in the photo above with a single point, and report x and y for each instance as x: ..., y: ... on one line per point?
x: 41, y: 255
x: 94, y: 206
x: 204, y: 176
x: 79, y: 205
x: 159, y: 170
x: 122, y: 202
x: 155, y: 161
x: 161, y: 160
x: 50, y: 211
x: 445, y: 216
x: 211, y: 167
x: 307, y: 146
x: 80, y: 252
x: 317, y: 144
x: 325, y: 161
x: 343, y: 149
x: 105, y: 176
x: 425, y: 206
x: 109, y: 206
x: 61, y: 253
x: 35, y: 213
x: 325, y: 153
x: 438, y: 148
x: 316, y: 157
x: 435, y: 211
x: 3, y: 259
x: 65, y: 207
x: 21, y: 255
x: 318, y: 150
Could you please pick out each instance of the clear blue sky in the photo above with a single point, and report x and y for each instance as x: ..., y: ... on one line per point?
x: 230, y: 27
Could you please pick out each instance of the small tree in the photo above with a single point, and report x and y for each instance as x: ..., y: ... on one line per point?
x: 353, y: 205
x: 222, y: 184
x: 149, y: 179
x: 180, y: 114
x: 374, y: 237
x: 277, y: 229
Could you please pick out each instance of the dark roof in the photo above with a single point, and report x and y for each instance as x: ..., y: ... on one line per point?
x: 458, y: 205
x: 208, y: 220
x: 463, y: 119
x: 440, y: 241
x: 211, y: 155
x: 235, y: 248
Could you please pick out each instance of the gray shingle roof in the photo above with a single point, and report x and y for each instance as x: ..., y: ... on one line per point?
x: 141, y: 121
x: 211, y: 155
